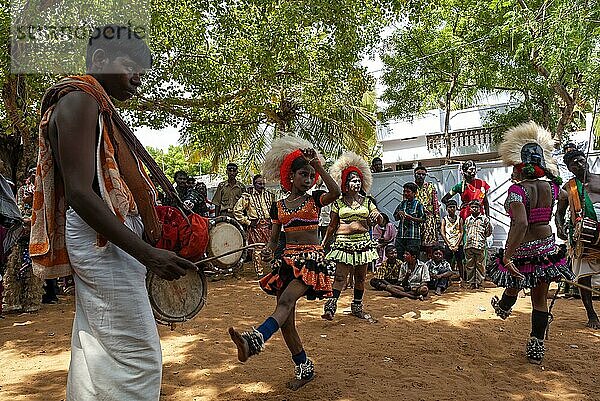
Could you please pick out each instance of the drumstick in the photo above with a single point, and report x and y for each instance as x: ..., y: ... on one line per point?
x: 202, y: 261
x: 585, y: 287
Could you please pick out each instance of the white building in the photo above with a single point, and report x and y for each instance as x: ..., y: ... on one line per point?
x: 422, y: 139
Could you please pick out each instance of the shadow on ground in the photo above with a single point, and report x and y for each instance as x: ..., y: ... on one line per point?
x: 449, y: 347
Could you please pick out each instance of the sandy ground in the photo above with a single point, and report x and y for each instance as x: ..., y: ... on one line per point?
x: 445, y: 348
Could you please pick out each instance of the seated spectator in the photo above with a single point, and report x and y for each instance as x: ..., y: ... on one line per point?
x: 384, y: 234
x: 389, y: 271
x: 452, y: 233
x: 439, y: 271
x: 413, y: 276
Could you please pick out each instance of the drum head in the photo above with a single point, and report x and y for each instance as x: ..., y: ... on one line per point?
x: 177, y: 300
x: 226, y: 234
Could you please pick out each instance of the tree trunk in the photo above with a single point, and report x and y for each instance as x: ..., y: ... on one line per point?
x: 449, y: 95
x: 19, y: 149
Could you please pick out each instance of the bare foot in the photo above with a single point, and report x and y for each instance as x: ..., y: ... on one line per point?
x: 296, y: 384
x: 327, y: 316
x: 593, y: 324
x: 243, y: 350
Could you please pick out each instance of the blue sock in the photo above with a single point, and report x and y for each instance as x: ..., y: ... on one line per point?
x: 268, y: 328
x: 299, y: 357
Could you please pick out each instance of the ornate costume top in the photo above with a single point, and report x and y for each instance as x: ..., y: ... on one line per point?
x: 349, y: 214
x: 518, y: 193
x: 305, y: 217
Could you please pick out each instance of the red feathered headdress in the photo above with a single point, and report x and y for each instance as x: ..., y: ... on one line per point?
x: 348, y: 170
x: 286, y: 169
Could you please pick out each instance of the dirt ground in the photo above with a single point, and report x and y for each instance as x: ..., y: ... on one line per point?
x: 445, y: 348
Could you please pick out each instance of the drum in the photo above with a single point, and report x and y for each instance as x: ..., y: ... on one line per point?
x: 587, y: 238
x: 178, y: 300
x: 225, y: 234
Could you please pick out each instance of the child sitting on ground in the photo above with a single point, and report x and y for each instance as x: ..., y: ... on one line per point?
x: 389, y: 271
x: 412, y: 278
x: 440, y: 271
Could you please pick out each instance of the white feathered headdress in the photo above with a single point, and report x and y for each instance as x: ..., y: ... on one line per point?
x: 279, y: 159
x: 348, y: 162
x: 528, y: 143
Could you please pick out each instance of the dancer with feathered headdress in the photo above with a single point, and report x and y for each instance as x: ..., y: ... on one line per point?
x: 303, y: 269
x: 530, y: 258
x: 351, y: 217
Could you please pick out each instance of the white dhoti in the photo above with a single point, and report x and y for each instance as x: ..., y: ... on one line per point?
x: 115, y: 348
x: 587, y: 267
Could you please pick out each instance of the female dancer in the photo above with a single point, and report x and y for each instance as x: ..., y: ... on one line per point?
x: 530, y: 259
x: 351, y: 216
x: 302, y: 270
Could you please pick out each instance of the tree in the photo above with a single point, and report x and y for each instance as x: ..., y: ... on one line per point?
x: 544, y: 54
x: 232, y: 75
x: 178, y: 158
x: 438, y: 56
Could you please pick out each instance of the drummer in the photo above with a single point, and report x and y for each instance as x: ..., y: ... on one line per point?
x: 115, y: 348
x: 252, y: 211
x: 570, y: 196
x: 303, y: 270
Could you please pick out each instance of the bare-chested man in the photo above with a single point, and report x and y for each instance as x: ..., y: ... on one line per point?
x: 582, y: 195
x: 92, y: 205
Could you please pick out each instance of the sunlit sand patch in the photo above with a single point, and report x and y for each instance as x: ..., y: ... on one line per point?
x: 175, y: 347
x: 256, y: 387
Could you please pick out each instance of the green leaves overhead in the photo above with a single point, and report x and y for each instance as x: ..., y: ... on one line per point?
x: 543, y: 53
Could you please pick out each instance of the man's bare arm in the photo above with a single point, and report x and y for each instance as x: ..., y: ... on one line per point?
x: 76, y: 119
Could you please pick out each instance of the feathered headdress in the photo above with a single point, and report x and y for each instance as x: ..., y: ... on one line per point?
x: 347, y: 163
x: 278, y: 160
x: 528, y: 143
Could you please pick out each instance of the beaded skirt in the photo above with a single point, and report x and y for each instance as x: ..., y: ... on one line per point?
x: 353, y: 249
x: 539, y: 261
x: 303, y: 262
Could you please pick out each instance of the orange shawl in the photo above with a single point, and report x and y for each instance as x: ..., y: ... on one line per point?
x: 124, y: 184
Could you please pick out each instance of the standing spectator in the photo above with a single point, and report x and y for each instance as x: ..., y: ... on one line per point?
x: 409, y: 214
x: 23, y: 289
x: 470, y: 188
x: 452, y: 233
x: 10, y: 228
x: 427, y: 195
x: 252, y: 211
x: 439, y: 271
x: 210, y: 207
x: 384, y: 234
x: 228, y: 192
x: 180, y: 177
x: 377, y: 165
x: 195, y: 198
x: 181, y: 181
x: 477, y: 229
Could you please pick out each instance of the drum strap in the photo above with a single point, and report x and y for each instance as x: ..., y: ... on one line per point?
x: 575, y: 197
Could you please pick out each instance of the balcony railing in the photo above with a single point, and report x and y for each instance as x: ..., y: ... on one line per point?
x: 476, y: 140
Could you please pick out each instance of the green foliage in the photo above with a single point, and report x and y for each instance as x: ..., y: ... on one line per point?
x: 175, y: 159
x: 234, y: 75
x: 545, y: 54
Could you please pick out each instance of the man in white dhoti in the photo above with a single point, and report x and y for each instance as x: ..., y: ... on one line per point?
x: 581, y: 194
x: 93, y: 202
